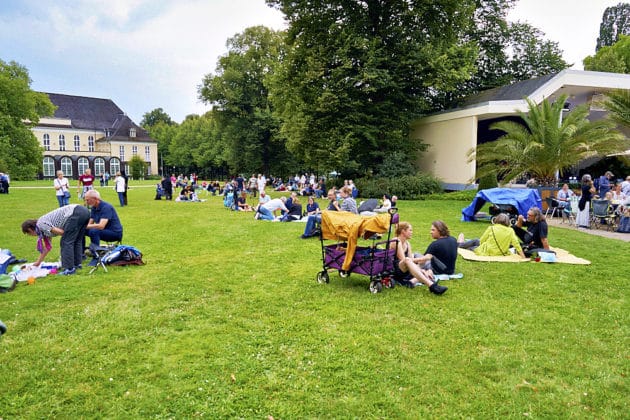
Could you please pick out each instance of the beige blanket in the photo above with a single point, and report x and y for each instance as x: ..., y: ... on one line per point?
x: 562, y: 256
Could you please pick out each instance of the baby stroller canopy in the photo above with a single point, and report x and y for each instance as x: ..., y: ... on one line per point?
x: 522, y: 199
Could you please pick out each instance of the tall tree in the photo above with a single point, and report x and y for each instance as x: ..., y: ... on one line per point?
x: 240, y: 94
x: 20, y: 109
x: 357, y: 72
x: 508, y: 52
x: 615, y: 22
x: 613, y: 59
x: 151, y: 118
x: 546, y: 143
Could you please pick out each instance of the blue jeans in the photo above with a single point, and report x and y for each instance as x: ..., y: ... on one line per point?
x: 63, y: 201
x: 265, y: 214
x: 121, y: 198
x: 311, y: 222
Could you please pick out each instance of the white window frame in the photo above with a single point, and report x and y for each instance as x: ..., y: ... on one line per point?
x: 48, y: 166
x: 62, y: 145
x: 66, y: 166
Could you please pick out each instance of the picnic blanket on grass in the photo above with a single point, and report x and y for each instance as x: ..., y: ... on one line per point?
x: 562, y: 256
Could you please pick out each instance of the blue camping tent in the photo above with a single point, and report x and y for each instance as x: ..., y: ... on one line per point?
x: 522, y: 198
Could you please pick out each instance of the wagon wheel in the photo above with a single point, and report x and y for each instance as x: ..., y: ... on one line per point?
x: 375, y: 286
x: 322, y: 277
x: 343, y: 274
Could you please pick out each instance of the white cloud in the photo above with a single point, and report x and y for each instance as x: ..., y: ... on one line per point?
x: 142, y: 54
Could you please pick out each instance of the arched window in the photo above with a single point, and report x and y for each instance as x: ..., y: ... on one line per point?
x: 82, y: 165
x: 62, y: 145
x: 77, y: 144
x: 46, y: 142
x: 99, y: 166
x: 66, y: 166
x: 49, y: 165
x: 90, y: 143
x: 114, y: 166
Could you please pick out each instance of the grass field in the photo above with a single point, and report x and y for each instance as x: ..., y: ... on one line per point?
x: 226, y: 320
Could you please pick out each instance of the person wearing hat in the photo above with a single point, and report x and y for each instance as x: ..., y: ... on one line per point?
x: 604, y: 183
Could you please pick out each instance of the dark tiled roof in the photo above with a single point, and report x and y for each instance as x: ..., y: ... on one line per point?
x: 96, y: 114
x: 514, y: 92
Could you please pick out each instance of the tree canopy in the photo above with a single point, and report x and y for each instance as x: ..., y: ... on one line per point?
x: 358, y: 72
x: 615, y: 22
x: 613, y: 59
x: 239, y: 92
x: 20, y: 109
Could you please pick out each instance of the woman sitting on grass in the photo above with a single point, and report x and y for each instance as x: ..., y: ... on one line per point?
x: 496, y: 240
x: 406, y: 269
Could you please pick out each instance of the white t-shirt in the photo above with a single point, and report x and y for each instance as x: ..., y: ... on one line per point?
x: 63, y: 183
x: 120, y: 184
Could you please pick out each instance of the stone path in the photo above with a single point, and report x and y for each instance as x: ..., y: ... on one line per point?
x: 557, y: 222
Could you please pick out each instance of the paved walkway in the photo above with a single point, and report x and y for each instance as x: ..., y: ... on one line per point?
x: 557, y: 222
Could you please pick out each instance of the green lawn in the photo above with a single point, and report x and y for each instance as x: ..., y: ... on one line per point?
x: 226, y: 320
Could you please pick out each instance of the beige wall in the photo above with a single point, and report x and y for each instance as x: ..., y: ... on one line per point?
x: 128, y: 151
x: 449, y: 143
x: 101, y: 148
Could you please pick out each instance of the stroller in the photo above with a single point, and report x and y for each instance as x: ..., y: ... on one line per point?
x: 346, y: 256
x: 229, y: 202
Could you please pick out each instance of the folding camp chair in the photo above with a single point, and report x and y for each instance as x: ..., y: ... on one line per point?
x: 553, y: 206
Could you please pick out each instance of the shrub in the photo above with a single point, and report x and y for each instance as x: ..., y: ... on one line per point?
x: 408, y: 187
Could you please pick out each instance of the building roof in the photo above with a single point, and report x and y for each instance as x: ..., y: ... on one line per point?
x: 509, y: 100
x: 96, y: 114
x: 514, y: 92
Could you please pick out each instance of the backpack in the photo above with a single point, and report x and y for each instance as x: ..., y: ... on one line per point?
x: 123, y: 255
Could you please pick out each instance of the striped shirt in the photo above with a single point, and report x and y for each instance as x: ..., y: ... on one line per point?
x: 56, y: 218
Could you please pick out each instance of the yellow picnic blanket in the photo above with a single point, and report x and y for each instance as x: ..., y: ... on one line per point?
x: 346, y: 226
x: 562, y: 256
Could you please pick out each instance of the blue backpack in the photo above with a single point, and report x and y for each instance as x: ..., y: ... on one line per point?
x: 123, y: 255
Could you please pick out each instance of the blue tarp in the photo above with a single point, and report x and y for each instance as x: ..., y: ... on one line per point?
x: 523, y: 199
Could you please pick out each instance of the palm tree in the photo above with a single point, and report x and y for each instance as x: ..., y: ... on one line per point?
x: 546, y: 143
x: 618, y: 105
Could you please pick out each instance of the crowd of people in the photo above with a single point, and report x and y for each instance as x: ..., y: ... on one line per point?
x: 99, y: 221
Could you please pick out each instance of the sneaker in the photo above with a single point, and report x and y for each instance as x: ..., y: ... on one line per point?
x: 3, y: 328
x: 93, y: 262
x: 79, y: 267
x: 68, y: 272
x: 437, y: 289
x: 438, y: 277
x: 456, y: 276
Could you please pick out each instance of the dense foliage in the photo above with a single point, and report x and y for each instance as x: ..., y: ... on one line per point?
x: 613, y: 59
x: 407, y: 187
x: 239, y: 91
x: 357, y: 72
x: 20, y: 109
x: 615, y: 22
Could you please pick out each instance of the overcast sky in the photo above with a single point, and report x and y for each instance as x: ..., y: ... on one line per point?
x: 147, y: 54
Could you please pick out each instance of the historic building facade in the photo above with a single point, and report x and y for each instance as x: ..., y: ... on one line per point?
x: 91, y: 133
